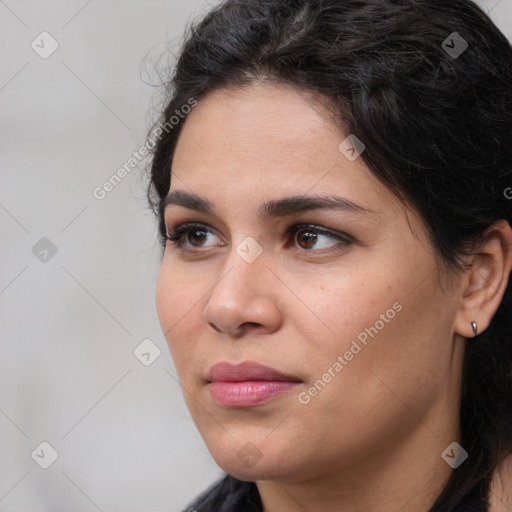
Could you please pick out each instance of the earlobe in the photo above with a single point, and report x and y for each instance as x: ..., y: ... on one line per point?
x: 484, y: 284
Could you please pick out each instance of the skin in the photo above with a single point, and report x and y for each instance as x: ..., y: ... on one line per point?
x: 500, y: 494
x: 372, y: 438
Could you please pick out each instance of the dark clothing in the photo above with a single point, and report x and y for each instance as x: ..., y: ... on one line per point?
x: 229, y: 495
x: 232, y: 495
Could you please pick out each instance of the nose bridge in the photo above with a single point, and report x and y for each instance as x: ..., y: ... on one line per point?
x: 245, y: 265
x: 237, y: 296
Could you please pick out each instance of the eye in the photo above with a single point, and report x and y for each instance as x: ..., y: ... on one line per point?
x: 195, y: 234
x: 309, y: 236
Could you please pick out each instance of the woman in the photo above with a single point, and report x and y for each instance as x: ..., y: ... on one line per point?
x: 332, y: 181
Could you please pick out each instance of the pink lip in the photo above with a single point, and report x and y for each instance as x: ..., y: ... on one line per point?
x: 247, y: 384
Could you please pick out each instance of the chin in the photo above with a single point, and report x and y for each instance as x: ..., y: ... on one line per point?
x: 239, y: 456
x: 245, y: 461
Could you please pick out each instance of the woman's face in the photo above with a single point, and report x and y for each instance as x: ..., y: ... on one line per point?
x: 349, y: 309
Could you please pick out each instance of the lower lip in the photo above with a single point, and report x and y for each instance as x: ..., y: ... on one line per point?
x: 247, y: 393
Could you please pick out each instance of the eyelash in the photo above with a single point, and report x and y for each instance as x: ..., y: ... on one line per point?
x: 176, y: 237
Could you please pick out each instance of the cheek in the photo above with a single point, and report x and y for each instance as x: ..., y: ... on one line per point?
x: 374, y: 323
x: 392, y: 336
x: 342, y: 306
x: 175, y: 299
x: 165, y: 299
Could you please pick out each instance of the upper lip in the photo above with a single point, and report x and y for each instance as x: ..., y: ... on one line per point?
x: 228, y: 372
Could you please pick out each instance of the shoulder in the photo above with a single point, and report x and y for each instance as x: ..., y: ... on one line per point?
x: 228, y: 495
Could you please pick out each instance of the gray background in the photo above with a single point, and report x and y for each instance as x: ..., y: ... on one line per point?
x: 70, y: 321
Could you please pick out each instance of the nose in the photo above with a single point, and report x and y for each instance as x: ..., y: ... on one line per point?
x: 242, y: 299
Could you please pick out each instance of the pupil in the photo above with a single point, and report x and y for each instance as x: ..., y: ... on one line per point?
x: 197, y: 238
x: 310, y: 238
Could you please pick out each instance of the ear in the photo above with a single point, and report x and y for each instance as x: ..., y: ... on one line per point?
x: 485, y: 282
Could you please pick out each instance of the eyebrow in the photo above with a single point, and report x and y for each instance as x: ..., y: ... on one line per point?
x: 274, y: 208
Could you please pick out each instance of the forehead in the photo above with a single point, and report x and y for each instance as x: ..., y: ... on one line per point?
x: 241, y: 148
x: 261, y: 132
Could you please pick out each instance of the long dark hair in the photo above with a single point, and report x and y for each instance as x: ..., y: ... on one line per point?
x: 436, y: 119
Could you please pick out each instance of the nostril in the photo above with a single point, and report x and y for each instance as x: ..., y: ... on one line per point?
x: 214, y: 327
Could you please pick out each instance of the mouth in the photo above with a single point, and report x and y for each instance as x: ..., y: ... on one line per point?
x: 247, y: 384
